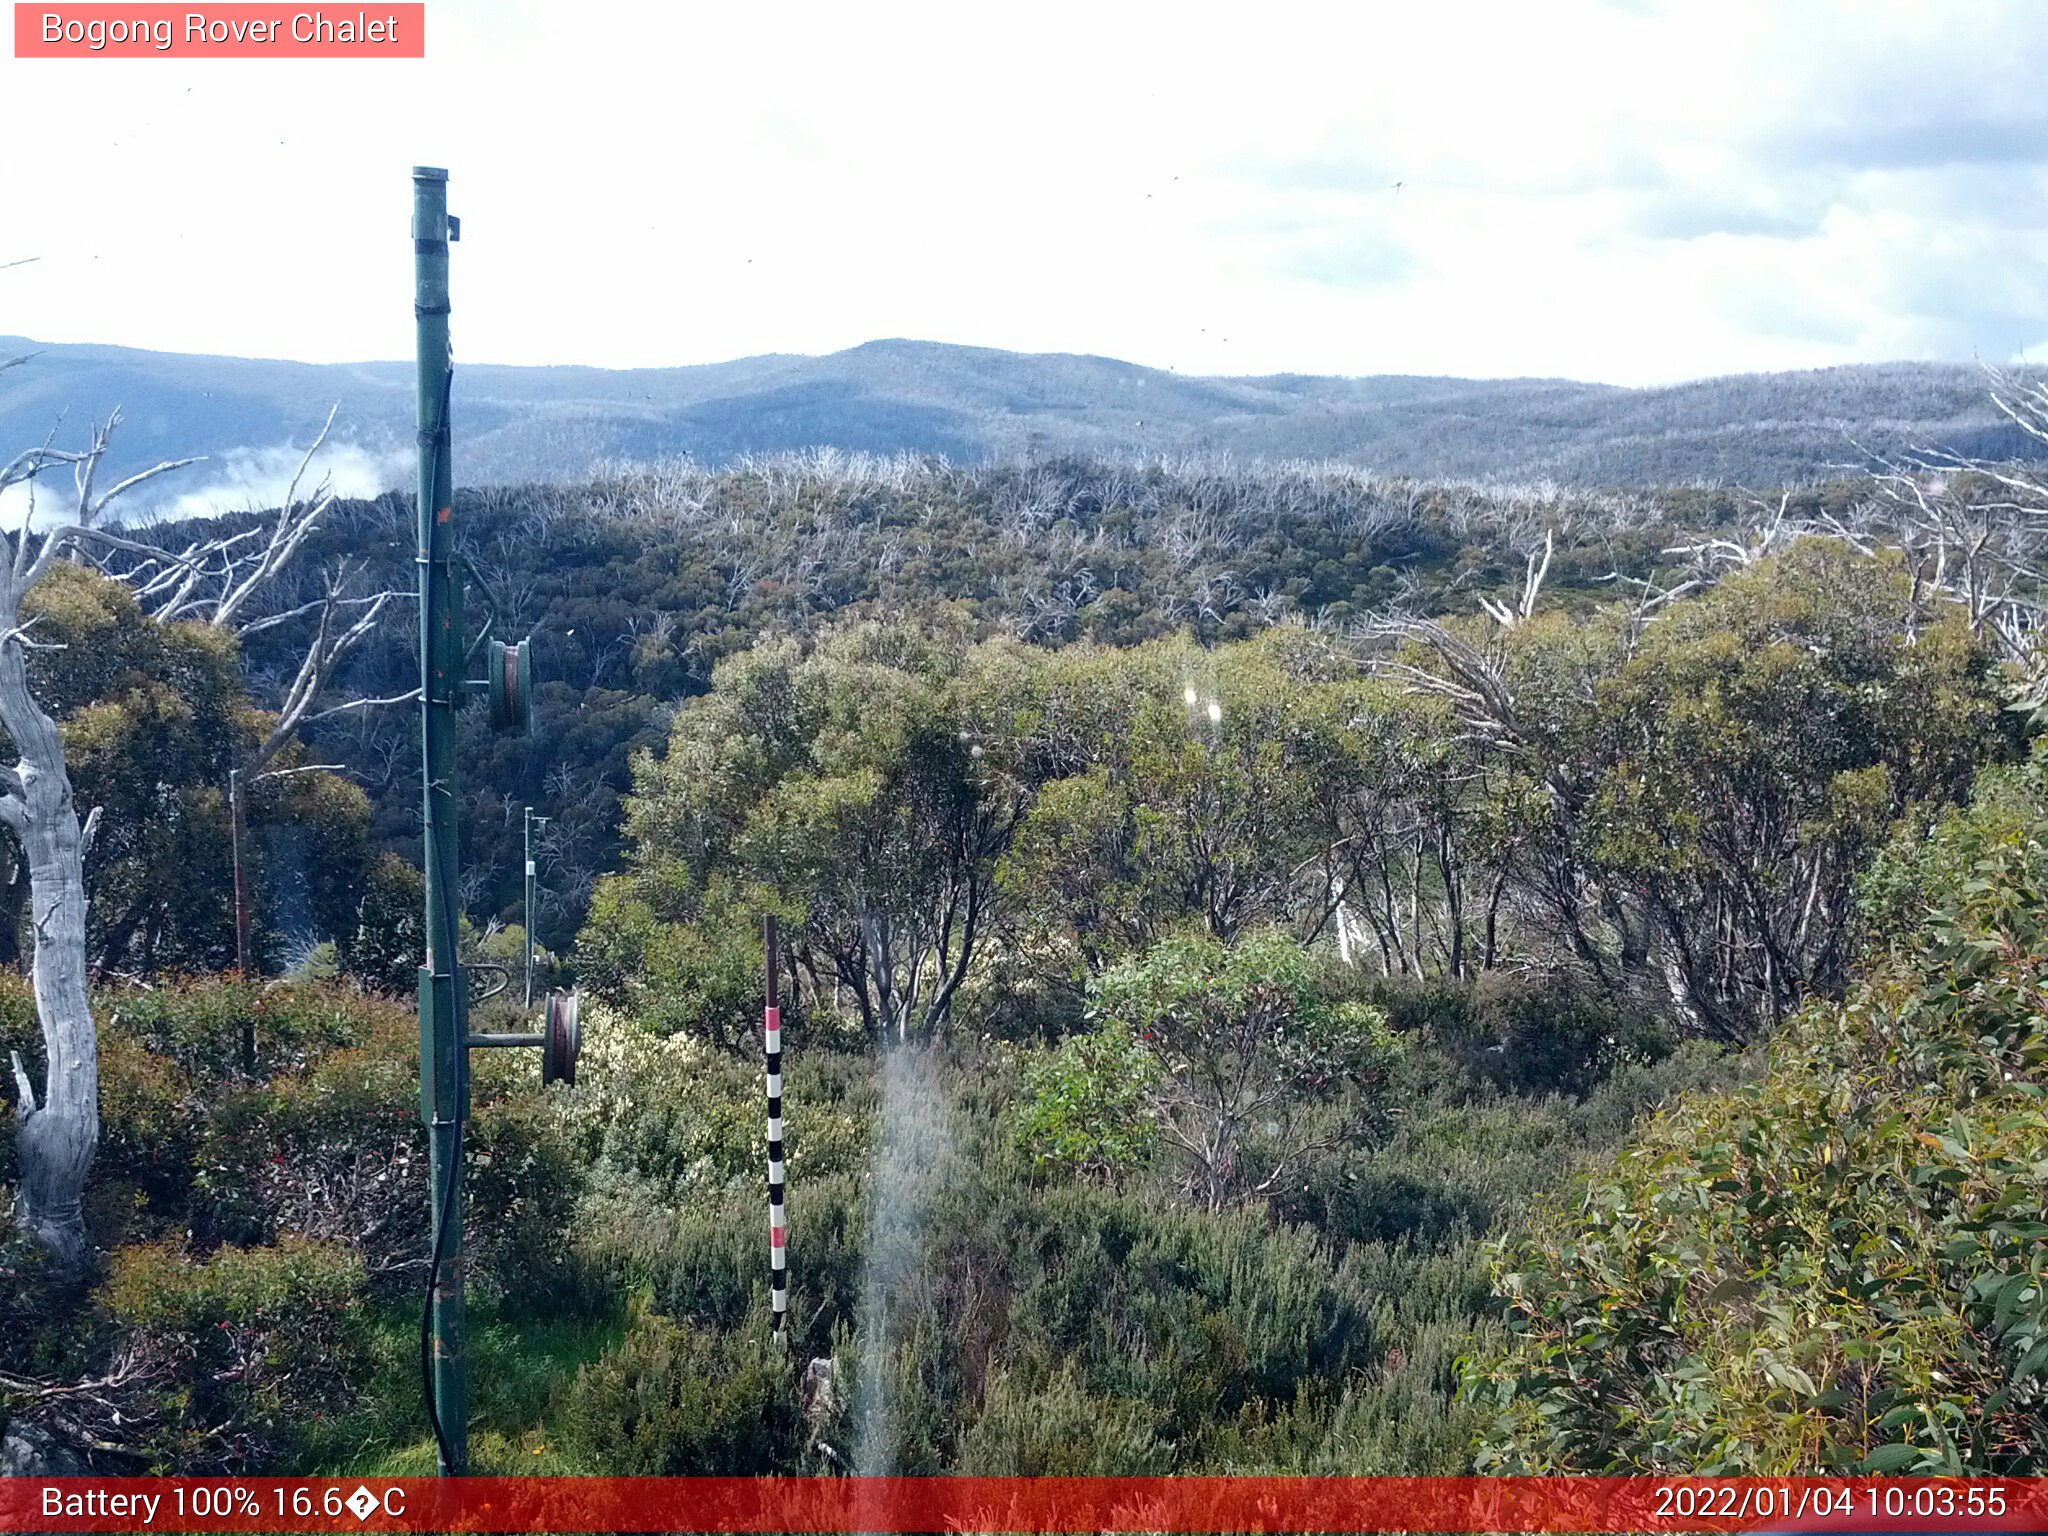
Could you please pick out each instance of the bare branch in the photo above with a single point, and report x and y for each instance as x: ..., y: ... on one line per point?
x: 19, y: 635
x: 72, y: 533
x: 285, y: 773
x: 25, y: 1091
x: 257, y: 626
x: 138, y: 478
x: 341, y: 709
x: 295, y: 523
x: 291, y: 492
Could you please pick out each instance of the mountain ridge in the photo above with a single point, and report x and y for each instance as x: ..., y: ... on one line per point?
x: 558, y: 423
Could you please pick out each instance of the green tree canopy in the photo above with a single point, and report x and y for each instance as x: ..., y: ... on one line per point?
x: 1842, y: 1266
x: 154, y: 716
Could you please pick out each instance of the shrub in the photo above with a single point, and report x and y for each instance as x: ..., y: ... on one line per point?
x: 1089, y: 1108
x: 39, y: 1323
x: 337, y: 1153
x: 701, y: 976
x: 676, y: 1400
x: 707, y: 1262
x: 170, y: 1059
x: 152, y: 1121
x: 320, y: 962
x: 199, y: 1023
x: 1238, y: 1337
x: 243, y: 1351
x: 1455, y: 1164
x: 1055, y: 1428
x: 334, y: 1153
x: 383, y: 949
x: 679, y: 1120
x: 1245, y: 1040
x: 1517, y: 1035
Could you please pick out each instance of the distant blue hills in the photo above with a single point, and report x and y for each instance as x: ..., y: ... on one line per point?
x: 555, y: 424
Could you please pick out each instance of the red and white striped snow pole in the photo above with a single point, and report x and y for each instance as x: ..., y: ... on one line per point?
x: 778, y: 1214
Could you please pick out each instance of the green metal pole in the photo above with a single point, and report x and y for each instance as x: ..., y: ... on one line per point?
x: 444, y: 1064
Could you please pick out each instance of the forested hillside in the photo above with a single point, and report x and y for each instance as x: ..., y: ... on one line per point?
x: 635, y: 588
x: 1221, y: 907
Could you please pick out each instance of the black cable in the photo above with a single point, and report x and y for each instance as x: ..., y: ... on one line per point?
x: 448, y: 1191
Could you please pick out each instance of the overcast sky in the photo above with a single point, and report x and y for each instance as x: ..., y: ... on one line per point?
x: 1627, y: 192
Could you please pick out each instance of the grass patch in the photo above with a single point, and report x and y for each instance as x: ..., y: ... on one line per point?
x: 520, y: 1365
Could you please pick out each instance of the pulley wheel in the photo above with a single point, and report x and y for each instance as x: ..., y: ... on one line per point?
x: 510, y: 676
x: 564, y: 1039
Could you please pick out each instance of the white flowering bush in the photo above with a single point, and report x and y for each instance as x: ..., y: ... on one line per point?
x: 668, y: 1118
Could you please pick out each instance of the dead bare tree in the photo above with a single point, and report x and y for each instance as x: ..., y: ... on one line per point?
x: 224, y: 581
x: 219, y: 580
x: 1972, y: 533
x: 1532, y: 586
x: 1471, y: 674
x: 1774, y: 531
x: 59, y: 1130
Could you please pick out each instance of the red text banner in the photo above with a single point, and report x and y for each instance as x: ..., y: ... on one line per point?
x: 910, y: 1504
x: 225, y: 31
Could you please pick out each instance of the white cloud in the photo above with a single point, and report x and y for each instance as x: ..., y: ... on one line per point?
x: 243, y: 479
x: 14, y: 507
x: 1634, y: 193
x: 257, y: 478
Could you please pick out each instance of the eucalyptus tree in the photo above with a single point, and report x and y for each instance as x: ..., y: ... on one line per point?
x: 849, y: 785
x: 1191, y: 784
x: 1711, y: 777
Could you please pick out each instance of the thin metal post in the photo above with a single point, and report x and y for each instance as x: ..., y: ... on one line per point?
x: 771, y: 1044
x: 238, y: 830
x: 526, y: 907
x: 444, y: 1064
x: 532, y: 821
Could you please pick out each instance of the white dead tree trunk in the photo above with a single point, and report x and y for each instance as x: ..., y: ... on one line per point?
x: 219, y: 581
x: 1532, y: 584
x: 57, y: 1133
x: 58, y: 1129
